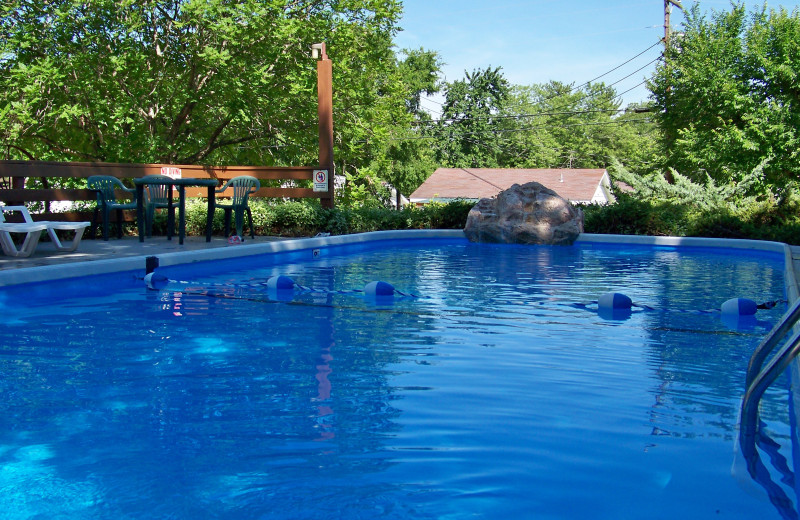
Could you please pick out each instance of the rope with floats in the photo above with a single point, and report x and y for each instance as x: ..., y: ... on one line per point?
x: 619, y: 303
x: 611, y: 305
x: 284, y: 285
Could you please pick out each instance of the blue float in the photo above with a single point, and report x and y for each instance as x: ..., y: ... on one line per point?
x: 614, y: 302
x: 379, y: 289
x: 155, y: 281
x: 280, y: 283
x: 739, y: 307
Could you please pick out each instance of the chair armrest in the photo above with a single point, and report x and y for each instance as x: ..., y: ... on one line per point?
x: 223, y: 188
x: 22, y: 209
x: 13, y: 208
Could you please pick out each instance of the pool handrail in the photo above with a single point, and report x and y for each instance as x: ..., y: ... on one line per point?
x: 759, y: 378
x: 778, y: 332
x: 765, y: 377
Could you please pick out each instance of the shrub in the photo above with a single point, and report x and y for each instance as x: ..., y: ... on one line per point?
x: 307, y: 218
x: 686, y: 208
x: 714, y: 216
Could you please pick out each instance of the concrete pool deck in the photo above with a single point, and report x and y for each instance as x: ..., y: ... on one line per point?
x: 126, y: 254
x: 98, y: 256
x: 93, y: 250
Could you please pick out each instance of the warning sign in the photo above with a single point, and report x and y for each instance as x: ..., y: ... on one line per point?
x: 320, y: 180
x: 169, y: 171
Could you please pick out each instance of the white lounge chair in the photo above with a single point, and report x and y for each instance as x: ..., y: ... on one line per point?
x: 50, y: 225
x: 32, y: 234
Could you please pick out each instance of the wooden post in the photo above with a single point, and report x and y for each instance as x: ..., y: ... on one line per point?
x: 325, y: 113
x: 667, y: 11
x: 667, y: 31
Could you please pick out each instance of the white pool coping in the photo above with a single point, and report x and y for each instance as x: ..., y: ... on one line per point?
x: 133, y: 263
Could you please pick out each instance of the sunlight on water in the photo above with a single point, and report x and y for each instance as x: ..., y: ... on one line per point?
x: 498, y: 390
x: 210, y: 346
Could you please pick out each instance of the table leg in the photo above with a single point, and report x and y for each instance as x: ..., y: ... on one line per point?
x: 140, y: 210
x: 210, y: 215
x: 170, y: 215
x: 181, y: 213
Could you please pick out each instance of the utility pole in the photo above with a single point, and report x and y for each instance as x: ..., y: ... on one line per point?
x: 667, y: 29
x: 667, y: 10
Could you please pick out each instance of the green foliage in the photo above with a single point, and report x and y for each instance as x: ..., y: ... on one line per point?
x: 467, y: 128
x: 488, y: 123
x: 307, y: 218
x: 757, y: 221
x: 632, y: 216
x: 190, y: 81
x: 705, y: 195
x: 419, y: 72
x: 556, y: 125
x: 688, y: 208
x: 728, y: 97
x: 363, y: 189
x: 452, y: 215
x: 390, y: 148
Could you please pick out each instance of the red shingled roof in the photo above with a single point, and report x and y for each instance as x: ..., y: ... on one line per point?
x: 577, y: 185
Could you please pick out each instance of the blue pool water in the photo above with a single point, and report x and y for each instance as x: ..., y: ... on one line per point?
x: 498, y: 393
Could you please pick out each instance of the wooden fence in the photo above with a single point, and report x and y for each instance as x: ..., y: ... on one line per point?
x: 14, y: 173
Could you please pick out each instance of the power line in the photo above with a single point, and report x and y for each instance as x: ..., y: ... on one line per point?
x: 586, y: 84
x: 520, y: 116
x: 635, y: 71
x: 438, y: 113
x: 502, y: 144
x: 521, y: 129
x: 625, y: 63
x: 633, y: 88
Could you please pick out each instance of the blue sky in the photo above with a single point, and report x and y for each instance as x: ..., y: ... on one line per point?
x: 536, y: 41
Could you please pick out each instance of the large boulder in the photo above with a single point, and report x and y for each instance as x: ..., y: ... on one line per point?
x: 526, y: 214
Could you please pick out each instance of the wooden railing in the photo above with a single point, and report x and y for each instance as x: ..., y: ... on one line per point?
x: 14, y: 173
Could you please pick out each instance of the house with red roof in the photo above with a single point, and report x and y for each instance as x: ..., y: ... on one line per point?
x: 575, y: 185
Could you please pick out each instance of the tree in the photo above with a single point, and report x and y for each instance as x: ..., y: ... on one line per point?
x: 468, y: 128
x: 558, y: 125
x: 409, y: 159
x: 395, y: 146
x: 728, y: 97
x: 188, y: 81
x: 419, y: 72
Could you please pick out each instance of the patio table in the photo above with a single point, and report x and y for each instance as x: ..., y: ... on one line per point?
x: 180, y: 184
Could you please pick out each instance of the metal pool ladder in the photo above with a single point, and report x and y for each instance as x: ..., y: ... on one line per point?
x: 760, y: 378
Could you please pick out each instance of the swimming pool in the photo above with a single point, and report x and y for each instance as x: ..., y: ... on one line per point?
x: 495, y: 391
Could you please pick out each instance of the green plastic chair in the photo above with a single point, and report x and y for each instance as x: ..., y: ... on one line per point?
x: 156, y: 196
x: 242, y: 187
x: 106, y: 187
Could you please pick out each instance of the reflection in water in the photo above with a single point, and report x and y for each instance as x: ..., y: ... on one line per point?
x: 325, y: 415
x: 614, y: 314
x: 493, y: 396
x: 752, y: 438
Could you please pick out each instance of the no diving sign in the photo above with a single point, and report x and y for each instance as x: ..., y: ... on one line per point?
x: 169, y: 171
x: 320, y: 180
